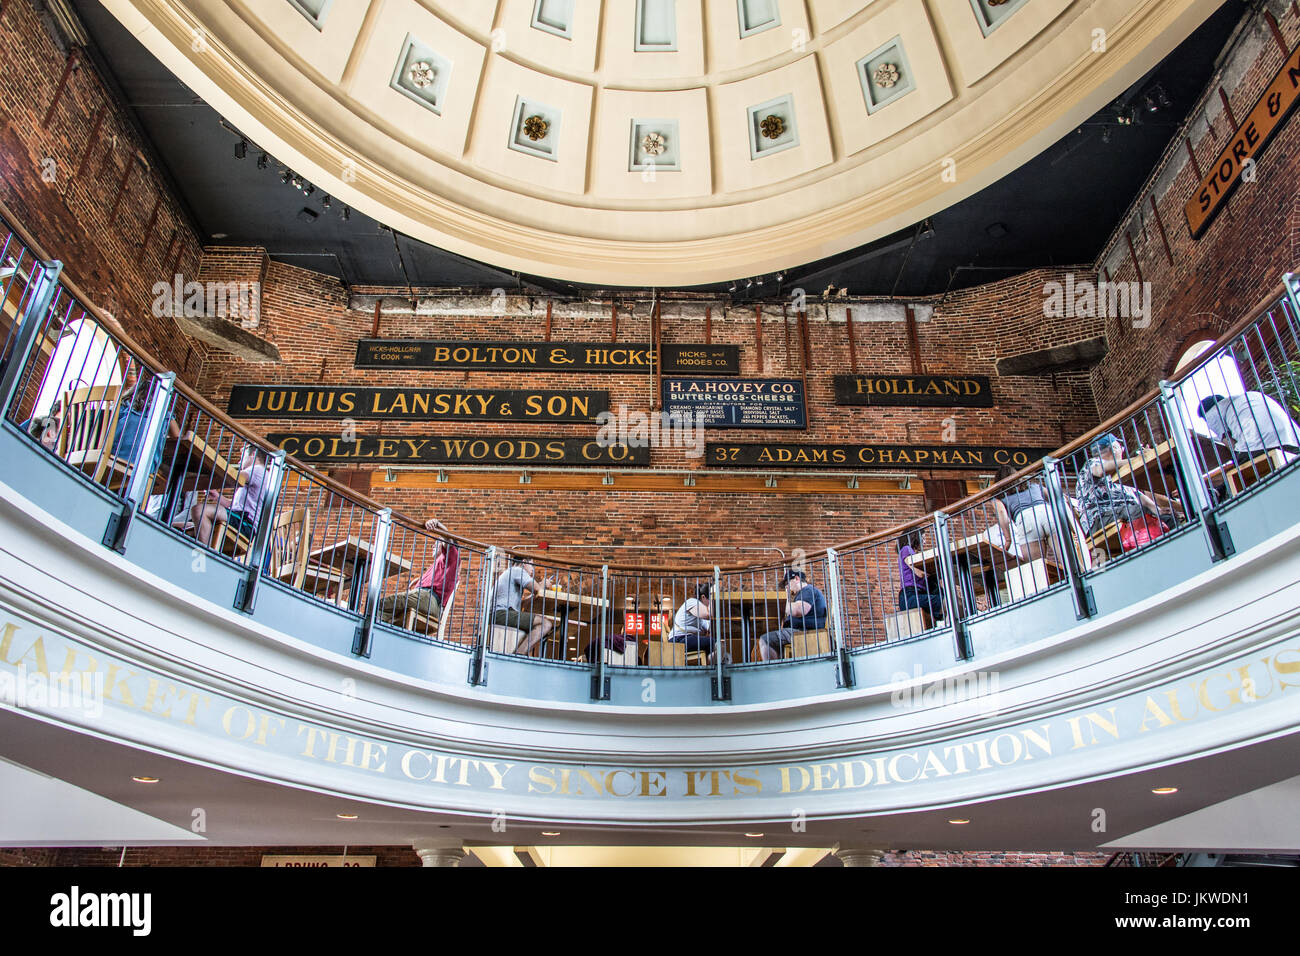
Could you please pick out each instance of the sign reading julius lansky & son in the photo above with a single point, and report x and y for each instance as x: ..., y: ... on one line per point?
x: 915, y: 391
x: 633, y: 357
x: 464, y: 450
x: 415, y: 404
x: 974, y: 457
x: 737, y: 402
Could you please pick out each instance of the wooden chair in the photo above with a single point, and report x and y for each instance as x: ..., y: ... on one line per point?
x: 290, y: 545
x: 666, y: 654
x: 89, y: 429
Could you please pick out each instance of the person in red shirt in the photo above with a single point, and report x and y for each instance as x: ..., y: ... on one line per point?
x: 435, y: 587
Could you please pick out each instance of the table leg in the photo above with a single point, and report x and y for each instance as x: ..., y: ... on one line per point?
x: 358, y: 576
x: 966, y: 582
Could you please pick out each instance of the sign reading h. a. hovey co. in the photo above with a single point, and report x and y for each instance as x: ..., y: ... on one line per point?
x: 1230, y: 166
x: 458, y: 450
x: 619, y: 357
x: 415, y: 404
x: 737, y: 403
x: 973, y: 457
x: 914, y: 391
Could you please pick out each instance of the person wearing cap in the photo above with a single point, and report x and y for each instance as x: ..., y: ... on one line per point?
x: 1104, y: 499
x: 805, y: 610
x: 1251, y: 423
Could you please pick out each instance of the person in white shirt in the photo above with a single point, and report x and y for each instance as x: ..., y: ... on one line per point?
x: 1252, y: 423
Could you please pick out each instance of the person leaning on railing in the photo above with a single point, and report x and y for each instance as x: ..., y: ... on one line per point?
x: 429, y: 595
x: 1105, y: 500
x: 805, y: 610
x: 915, y: 591
x: 1025, y: 519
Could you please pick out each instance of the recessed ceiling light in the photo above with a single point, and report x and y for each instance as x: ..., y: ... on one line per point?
x: 959, y: 822
x: 753, y: 836
x: 347, y: 816
x: 550, y: 833
x: 145, y: 779
x: 220, y: 235
x: 1164, y: 790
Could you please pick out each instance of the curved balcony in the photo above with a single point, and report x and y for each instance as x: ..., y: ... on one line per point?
x: 1109, y: 653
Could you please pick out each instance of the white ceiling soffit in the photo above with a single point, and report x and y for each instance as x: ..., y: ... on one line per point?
x: 1262, y: 821
x: 656, y: 142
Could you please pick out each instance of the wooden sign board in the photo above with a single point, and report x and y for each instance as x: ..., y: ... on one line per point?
x: 914, y: 391
x: 458, y: 450
x: 615, y: 357
x: 738, y: 402
x: 318, y: 861
x: 987, y: 458
x: 414, y: 404
x: 1254, y: 134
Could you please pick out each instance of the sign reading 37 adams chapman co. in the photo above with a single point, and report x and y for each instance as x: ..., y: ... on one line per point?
x: 624, y: 357
x: 415, y: 404
x: 914, y: 391
x: 786, y: 455
x: 458, y: 450
x: 1254, y: 134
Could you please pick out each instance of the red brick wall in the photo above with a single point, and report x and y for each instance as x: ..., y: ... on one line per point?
x: 1212, y: 282
x: 61, y: 179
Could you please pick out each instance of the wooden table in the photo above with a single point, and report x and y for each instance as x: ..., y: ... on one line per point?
x: 979, y: 551
x: 750, y: 608
x: 191, y: 460
x: 565, y: 607
x: 1140, y: 470
x: 347, y: 561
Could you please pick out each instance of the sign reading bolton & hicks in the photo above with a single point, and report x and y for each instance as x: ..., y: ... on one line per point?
x: 626, y: 357
x: 974, y: 457
x: 415, y: 404
x: 737, y: 403
x: 473, y: 450
x: 1272, y: 109
x: 914, y: 391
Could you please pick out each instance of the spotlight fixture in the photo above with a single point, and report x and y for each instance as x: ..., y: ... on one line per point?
x: 285, y: 176
x: 749, y: 284
x: 241, y: 149
x: 263, y: 161
x: 325, y: 201
x: 780, y: 277
x: 347, y: 213
x: 760, y: 282
x: 1150, y: 102
x: 732, y: 288
x: 308, y: 189
x: 297, y: 182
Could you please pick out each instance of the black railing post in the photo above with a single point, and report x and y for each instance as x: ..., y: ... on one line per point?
x: 142, y: 466
x: 599, y: 680
x: 31, y: 327
x: 721, y: 679
x: 1190, y: 482
x: 246, y: 594
x: 947, y: 572
x: 375, y: 581
x: 844, y: 671
x: 1084, y: 605
x: 477, y: 664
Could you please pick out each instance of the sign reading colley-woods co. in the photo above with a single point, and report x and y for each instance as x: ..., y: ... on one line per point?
x: 1236, y: 162
x: 626, y: 357
x: 466, y: 450
x: 975, y: 457
x: 415, y: 404
x: 737, y: 403
x: 913, y: 391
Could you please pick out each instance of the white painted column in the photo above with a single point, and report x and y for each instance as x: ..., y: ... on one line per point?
x: 439, y: 852
x: 859, y: 856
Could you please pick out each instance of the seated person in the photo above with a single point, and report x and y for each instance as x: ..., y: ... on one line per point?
x: 133, y: 417
x: 805, y: 610
x: 915, y: 591
x: 692, y: 621
x: 1104, y: 499
x: 1026, y: 520
x: 1251, y: 423
x: 430, y: 594
x: 240, y: 512
x: 508, y: 603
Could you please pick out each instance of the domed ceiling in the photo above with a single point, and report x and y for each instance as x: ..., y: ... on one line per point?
x: 656, y: 142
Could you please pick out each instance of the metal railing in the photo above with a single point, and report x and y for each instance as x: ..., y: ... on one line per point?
x: 1171, y: 463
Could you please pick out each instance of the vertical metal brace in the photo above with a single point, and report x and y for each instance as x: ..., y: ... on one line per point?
x: 375, y: 583
x: 246, y: 594
x: 1084, y: 604
x: 844, y: 673
x: 31, y: 327
x: 477, y: 666
x: 1190, y: 482
x: 141, y: 471
x: 599, y: 680
x: 947, y: 573
x: 721, y: 680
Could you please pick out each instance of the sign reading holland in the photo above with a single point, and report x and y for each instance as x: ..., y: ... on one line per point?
x: 414, y: 404
x: 737, y: 403
x: 625, y: 357
x: 971, y: 457
x: 913, y: 391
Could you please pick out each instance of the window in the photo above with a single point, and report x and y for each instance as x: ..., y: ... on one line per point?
x: 1219, y: 376
x: 85, y: 356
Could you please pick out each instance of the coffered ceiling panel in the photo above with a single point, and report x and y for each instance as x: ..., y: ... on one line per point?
x: 656, y: 142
